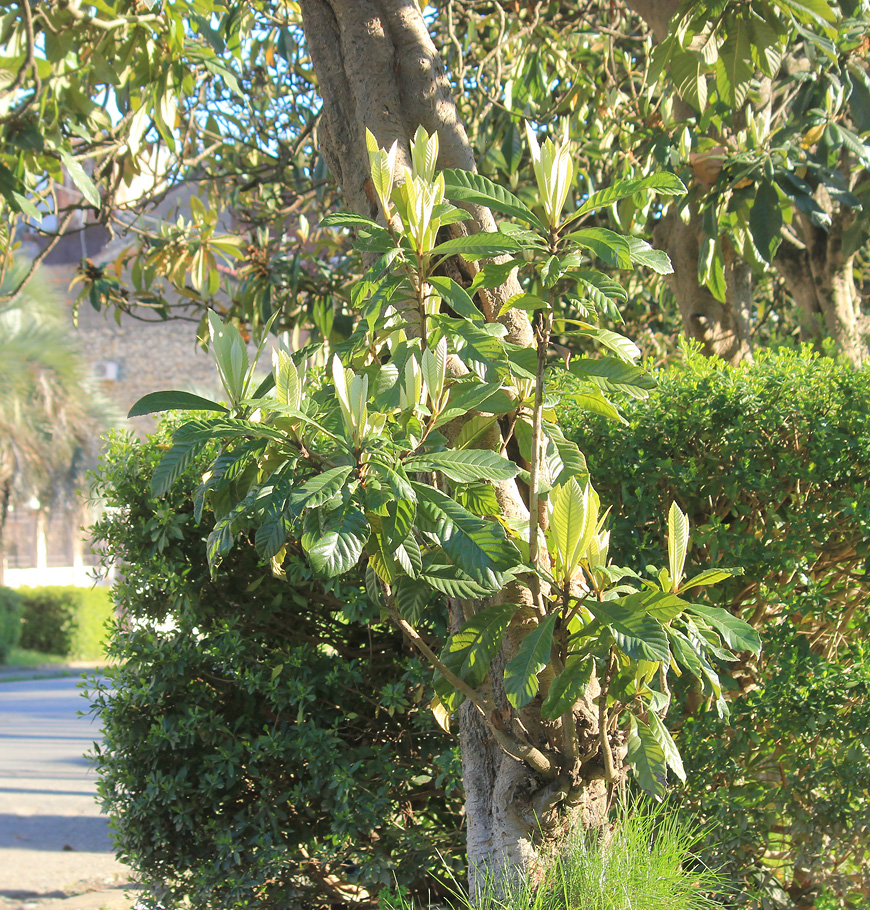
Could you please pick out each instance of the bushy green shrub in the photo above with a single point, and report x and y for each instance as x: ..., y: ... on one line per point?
x: 66, y: 620
x: 10, y: 621
x: 771, y: 461
x: 260, y: 748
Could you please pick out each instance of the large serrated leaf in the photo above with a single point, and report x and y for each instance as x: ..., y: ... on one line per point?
x: 469, y: 652
x: 644, y: 254
x: 413, y: 596
x: 665, y: 183
x: 477, y: 246
x: 737, y: 634
x: 710, y: 577
x: 567, y: 687
x: 174, y: 463
x: 521, y: 672
x: 453, y: 582
x: 612, y: 373
x: 647, y: 757
x: 661, y: 606
x: 457, y: 298
x: 351, y: 219
x: 573, y: 517
x: 644, y: 636
x: 156, y: 402
x: 465, y: 465
x: 339, y: 540
x: 608, y: 246
x: 669, y: 747
x: 476, y: 546
x: 678, y: 542
x: 320, y: 489
x: 464, y: 186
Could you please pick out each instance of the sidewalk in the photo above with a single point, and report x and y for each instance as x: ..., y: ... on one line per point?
x: 55, y: 846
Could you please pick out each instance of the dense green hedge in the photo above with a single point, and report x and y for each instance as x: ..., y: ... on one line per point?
x: 771, y: 461
x: 11, y: 607
x: 260, y: 748
x: 66, y: 620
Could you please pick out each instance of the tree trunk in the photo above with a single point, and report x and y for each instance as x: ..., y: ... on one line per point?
x: 377, y: 69
x: 820, y: 279
x: 721, y: 328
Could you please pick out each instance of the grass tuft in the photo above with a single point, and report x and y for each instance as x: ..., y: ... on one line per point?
x: 647, y: 863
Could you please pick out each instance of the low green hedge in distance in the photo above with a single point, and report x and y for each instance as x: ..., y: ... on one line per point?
x: 66, y: 620
x: 11, y: 607
x: 771, y: 461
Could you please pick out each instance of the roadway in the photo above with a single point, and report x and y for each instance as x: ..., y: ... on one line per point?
x: 55, y: 846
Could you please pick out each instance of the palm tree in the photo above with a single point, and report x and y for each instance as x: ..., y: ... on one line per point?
x: 51, y: 414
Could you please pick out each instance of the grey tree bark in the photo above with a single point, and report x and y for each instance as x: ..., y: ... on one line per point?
x: 819, y: 275
x: 378, y: 69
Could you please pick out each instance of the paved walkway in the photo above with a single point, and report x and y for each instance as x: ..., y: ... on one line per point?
x: 55, y: 847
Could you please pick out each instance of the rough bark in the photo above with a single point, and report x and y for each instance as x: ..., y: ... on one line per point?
x: 721, y: 328
x: 378, y: 69
x: 819, y: 277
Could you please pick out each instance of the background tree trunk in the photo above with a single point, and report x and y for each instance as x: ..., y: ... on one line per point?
x: 721, y: 328
x: 820, y: 279
x: 378, y: 69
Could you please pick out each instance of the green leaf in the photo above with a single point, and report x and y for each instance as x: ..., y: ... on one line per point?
x: 623, y: 347
x: 643, y: 254
x: 320, y: 489
x: 608, y: 246
x: 155, y: 402
x: 453, y: 582
x: 465, y: 465
x: 665, y: 183
x: 466, y: 396
x: 596, y: 403
x: 737, y: 634
x: 413, y: 596
x: 456, y: 297
x: 637, y: 634
x: 734, y: 70
x: 573, y: 518
x: 351, y: 219
x: 669, y: 747
x: 336, y: 540
x: 527, y: 302
x: 765, y: 221
x: 476, y: 546
x: 174, y: 463
x: 272, y: 533
x: 521, y: 672
x: 661, y: 606
x: 612, y: 374
x: 469, y: 652
x: 647, y: 757
x: 678, y: 542
x: 463, y: 186
x: 477, y: 246
x: 710, y: 577
x: 567, y: 687
x: 80, y: 178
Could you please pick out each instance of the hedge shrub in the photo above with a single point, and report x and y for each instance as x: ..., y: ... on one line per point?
x: 11, y: 606
x: 66, y: 620
x: 771, y: 461
x: 259, y: 749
